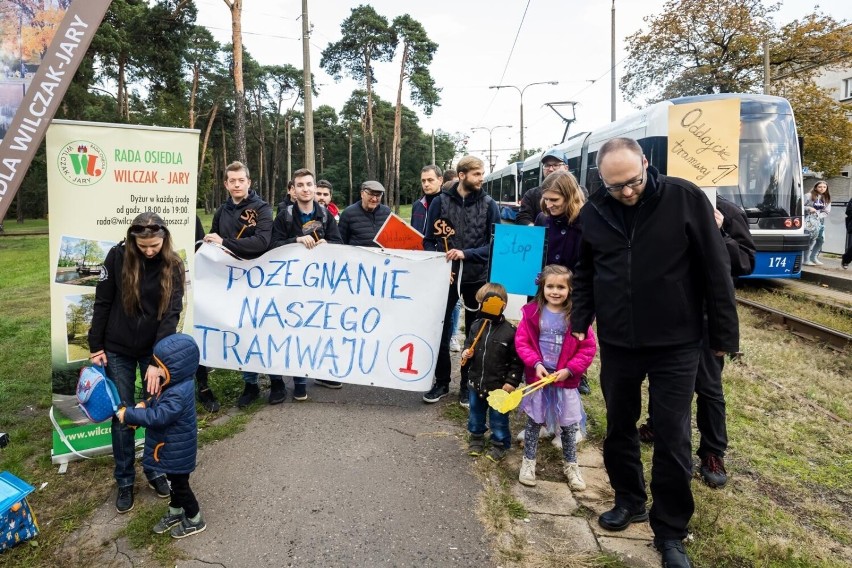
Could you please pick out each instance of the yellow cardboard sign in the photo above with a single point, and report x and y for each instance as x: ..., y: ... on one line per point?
x: 704, y: 142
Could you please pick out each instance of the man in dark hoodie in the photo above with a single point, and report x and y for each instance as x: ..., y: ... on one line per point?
x: 651, y: 258
x: 467, y: 216
x: 431, y: 179
x: 306, y: 222
x: 243, y: 225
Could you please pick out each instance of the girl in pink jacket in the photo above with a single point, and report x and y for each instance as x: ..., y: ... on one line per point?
x: 545, y: 345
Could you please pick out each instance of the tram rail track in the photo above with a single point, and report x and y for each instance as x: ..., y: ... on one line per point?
x: 803, y: 328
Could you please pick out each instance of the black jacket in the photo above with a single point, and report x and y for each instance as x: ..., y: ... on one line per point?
x: 473, y: 218
x: 648, y: 287
x: 246, y: 228
x: 134, y: 336
x: 286, y: 228
x: 530, y: 206
x: 495, y: 361
x: 737, y: 237
x: 359, y: 227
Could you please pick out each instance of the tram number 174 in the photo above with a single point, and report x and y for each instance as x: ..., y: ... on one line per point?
x: 777, y: 262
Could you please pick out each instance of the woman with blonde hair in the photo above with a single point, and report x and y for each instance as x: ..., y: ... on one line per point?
x: 138, y: 301
x: 561, y: 201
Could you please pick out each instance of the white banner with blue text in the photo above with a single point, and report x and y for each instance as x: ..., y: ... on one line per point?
x: 356, y: 315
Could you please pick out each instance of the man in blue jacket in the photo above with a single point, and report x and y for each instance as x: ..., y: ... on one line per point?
x: 651, y: 259
x: 471, y: 214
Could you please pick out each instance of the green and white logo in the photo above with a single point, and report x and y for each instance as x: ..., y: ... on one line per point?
x: 82, y: 163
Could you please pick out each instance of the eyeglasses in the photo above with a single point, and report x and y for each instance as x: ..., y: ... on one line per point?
x: 551, y: 165
x: 635, y: 183
x: 373, y: 194
x: 153, y: 228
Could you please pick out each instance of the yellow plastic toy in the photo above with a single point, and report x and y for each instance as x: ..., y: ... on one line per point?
x: 503, y: 401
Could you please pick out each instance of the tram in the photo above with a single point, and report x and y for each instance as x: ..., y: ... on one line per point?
x: 770, y: 188
x: 504, y: 187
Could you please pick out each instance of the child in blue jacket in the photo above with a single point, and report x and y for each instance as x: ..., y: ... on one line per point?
x: 171, y: 435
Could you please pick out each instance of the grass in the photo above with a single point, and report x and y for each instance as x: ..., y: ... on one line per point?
x: 11, y: 225
x: 789, y: 413
x: 798, y: 305
x: 789, y: 499
x: 62, y: 503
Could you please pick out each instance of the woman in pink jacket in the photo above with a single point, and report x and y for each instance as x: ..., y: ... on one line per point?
x: 545, y: 345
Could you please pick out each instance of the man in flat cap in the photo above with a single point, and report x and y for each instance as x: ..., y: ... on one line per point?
x: 360, y: 222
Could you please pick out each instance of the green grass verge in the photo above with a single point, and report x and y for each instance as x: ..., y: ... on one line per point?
x: 64, y: 502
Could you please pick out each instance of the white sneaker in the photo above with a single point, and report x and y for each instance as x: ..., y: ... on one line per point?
x: 809, y: 263
x: 572, y: 473
x: 454, y: 345
x: 557, y: 442
x: 818, y: 263
x: 527, y: 474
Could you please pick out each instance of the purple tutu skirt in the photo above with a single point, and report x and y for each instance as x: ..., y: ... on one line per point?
x: 554, y: 406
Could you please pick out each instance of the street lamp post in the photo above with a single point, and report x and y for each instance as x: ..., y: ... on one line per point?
x: 490, y: 130
x: 521, y: 92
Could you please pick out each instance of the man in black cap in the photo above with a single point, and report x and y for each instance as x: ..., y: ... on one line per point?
x: 552, y: 161
x: 360, y: 222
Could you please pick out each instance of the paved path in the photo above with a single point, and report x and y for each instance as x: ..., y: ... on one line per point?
x: 366, y: 477
x: 353, y: 477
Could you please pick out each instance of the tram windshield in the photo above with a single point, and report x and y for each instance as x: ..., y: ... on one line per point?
x: 769, y: 187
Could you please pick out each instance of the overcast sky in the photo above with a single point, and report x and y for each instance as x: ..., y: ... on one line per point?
x: 560, y: 40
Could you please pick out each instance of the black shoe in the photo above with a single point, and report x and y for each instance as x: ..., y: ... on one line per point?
x: 161, y: 486
x: 584, y: 387
x: 300, y: 391
x: 208, y: 400
x: 619, y: 518
x: 437, y: 393
x: 251, y: 392
x: 124, y: 501
x: 329, y: 384
x: 713, y: 471
x: 476, y: 445
x: 277, y: 391
x: 646, y: 433
x: 464, y: 398
x: 496, y: 454
x: 673, y: 553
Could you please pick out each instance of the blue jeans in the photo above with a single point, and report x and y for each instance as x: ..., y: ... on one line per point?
x: 454, y: 321
x: 122, y: 370
x: 500, y: 434
x: 251, y: 378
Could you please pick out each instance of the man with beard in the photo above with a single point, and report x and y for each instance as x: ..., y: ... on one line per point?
x: 471, y: 214
x: 324, y: 197
x: 651, y: 259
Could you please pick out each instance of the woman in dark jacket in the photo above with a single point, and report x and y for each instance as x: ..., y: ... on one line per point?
x: 561, y: 201
x: 138, y: 301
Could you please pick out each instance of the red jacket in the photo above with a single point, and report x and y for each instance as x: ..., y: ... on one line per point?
x: 576, y: 356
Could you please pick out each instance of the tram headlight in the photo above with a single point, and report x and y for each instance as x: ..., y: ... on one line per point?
x: 797, y: 222
x: 788, y: 223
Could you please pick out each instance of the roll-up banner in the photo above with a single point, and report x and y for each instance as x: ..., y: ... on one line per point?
x: 31, y: 93
x: 100, y: 176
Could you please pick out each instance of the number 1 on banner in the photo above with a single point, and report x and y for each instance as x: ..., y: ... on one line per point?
x: 409, y: 360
